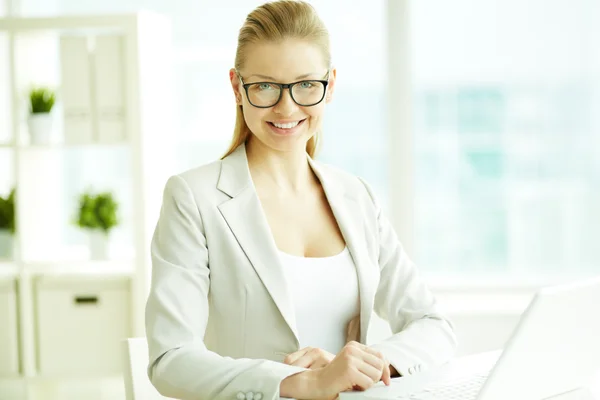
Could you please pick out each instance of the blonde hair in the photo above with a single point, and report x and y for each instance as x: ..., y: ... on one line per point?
x: 274, y: 22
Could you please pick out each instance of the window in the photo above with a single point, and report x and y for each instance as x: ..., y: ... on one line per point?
x: 507, y: 135
x: 355, y: 132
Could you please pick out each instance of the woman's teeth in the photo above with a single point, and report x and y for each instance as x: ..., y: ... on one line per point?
x: 289, y: 125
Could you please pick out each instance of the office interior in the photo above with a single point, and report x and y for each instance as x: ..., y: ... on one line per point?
x: 476, y: 123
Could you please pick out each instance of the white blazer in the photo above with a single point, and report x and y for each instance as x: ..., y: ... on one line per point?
x: 219, y: 320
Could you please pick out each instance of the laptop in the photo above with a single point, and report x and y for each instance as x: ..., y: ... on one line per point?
x: 554, y: 349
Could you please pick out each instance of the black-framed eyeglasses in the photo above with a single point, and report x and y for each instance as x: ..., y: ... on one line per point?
x: 305, y: 93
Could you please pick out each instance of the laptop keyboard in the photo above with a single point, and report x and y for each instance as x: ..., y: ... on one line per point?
x: 459, y: 389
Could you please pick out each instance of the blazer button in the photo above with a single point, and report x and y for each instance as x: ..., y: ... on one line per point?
x: 240, y: 396
x: 249, y: 396
x: 257, y: 396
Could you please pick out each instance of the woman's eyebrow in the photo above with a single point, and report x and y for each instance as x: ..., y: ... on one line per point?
x: 273, y: 79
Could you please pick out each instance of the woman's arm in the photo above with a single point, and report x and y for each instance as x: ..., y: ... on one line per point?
x: 423, y: 337
x: 177, y: 313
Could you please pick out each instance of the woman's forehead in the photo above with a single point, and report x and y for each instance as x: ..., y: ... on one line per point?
x: 286, y: 61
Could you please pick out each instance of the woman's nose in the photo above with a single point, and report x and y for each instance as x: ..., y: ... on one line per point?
x: 286, y: 105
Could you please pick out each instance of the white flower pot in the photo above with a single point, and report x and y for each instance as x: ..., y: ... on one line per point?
x: 40, y: 128
x: 6, y: 244
x: 98, y: 245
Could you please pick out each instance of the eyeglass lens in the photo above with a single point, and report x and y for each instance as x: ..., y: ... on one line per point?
x: 305, y: 93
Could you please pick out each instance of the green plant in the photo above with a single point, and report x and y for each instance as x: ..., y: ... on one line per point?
x: 97, y: 211
x: 7, y: 212
x: 41, y: 100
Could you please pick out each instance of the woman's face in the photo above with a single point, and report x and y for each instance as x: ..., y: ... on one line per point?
x: 286, y: 126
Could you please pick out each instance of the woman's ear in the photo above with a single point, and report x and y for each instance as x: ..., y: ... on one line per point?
x: 331, y: 85
x: 235, y: 85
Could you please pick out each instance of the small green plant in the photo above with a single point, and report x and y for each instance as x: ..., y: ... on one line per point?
x: 7, y: 212
x: 41, y: 100
x: 97, y: 211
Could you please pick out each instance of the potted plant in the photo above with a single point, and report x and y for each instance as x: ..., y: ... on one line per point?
x: 41, y: 102
x: 98, y: 215
x: 7, y: 225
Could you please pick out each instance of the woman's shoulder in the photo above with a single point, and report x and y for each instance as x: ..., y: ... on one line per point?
x: 205, y: 174
x: 200, y: 179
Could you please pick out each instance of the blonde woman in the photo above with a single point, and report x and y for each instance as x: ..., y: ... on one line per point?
x: 268, y: 265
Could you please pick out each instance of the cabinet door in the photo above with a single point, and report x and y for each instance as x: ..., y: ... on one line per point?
x: 9, y: 344
x: 81, y: 326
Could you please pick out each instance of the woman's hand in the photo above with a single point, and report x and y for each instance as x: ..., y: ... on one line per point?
x: 356, y: 367
x: 353, y: 333
x: 309, y: 357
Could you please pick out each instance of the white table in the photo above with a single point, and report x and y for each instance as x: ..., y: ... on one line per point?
x: 459, y: 367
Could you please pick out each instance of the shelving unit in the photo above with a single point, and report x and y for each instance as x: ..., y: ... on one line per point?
x: 83, y: 295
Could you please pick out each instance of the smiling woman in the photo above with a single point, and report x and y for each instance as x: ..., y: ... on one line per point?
x: 291, y: 252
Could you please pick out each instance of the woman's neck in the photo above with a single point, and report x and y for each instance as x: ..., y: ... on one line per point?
x: 288, y: 173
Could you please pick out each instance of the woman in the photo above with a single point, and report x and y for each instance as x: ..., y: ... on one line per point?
x: 267, y: 265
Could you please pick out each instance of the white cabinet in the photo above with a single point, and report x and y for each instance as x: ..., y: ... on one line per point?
x: 9, y: 345
x: 81, y: 324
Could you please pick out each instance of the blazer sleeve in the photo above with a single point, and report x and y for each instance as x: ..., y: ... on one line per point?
x: 180, y: 365
x: 422, y: 336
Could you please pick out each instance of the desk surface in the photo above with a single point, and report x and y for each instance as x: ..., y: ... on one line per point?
x: 460, y: 367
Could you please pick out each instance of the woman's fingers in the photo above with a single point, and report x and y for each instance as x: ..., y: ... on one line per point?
x: 371, y: 350
x: 373, y: 361
x: 306, y: 361
x: 376, y: 359
x: 309, y: 357
x: 361, y: 380
x: 386, y: 378
x: 292, y: 357
x: 373, y: 373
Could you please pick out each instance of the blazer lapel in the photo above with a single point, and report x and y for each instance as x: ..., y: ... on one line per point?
x: 245, y: 217
x: 350, y: 219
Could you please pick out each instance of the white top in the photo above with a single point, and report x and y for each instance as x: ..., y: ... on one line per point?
x: 325, y: 295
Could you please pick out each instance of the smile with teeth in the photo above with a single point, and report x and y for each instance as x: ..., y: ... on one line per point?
x: 288, y: 125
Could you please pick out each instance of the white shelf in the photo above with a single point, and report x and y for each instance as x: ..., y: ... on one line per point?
x: 20, y: 24
x: 146, y: 43
x: 81, y: 268
x: 62, y: 146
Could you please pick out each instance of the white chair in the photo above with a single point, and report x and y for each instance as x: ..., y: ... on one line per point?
x: 135, y: 362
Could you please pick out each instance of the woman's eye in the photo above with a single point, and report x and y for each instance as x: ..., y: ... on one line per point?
x: 306, y: 85
x: 264, y: 86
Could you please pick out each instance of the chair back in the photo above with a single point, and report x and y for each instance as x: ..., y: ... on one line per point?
x: 135, y: 377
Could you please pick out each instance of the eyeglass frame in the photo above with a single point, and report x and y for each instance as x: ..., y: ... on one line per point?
x: 287, y: 86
